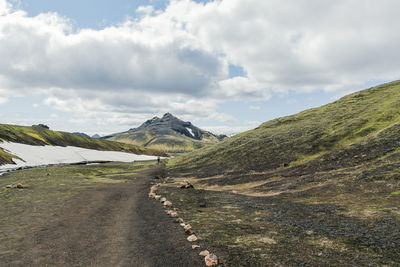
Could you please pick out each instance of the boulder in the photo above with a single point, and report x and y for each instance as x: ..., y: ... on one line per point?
x: 167, y: 203
x: 173, y: 214
x: 190, y: 231
x: 192, y: 238
x: 204, y: 253
x: 163, y: 199
x: 195, y: 246
x: 157, y: 197
x: 211, y: 260
x: 185, y: 184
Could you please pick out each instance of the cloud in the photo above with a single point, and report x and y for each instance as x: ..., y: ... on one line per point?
x: 177, y: 60
x: 252, y: 107
x: 3, y: 100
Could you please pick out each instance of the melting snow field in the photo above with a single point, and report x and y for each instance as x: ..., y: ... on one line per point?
x: 34, y: 156
x: 190, y: 131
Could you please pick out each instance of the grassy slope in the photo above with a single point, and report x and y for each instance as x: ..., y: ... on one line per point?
x: 41, y: 136
x: 357, y: 128
x: 321, y: 187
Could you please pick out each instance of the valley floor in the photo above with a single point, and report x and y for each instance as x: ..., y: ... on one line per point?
x: 96, y: 215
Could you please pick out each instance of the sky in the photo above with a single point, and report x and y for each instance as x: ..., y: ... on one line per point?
x: 226, y: 65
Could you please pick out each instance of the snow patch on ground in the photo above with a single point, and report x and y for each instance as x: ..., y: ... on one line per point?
x: 34, y: 156
x: 190, y: 131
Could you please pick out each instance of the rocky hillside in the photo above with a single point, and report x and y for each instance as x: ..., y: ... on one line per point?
x: 40, y: 135
x: 168, y: 134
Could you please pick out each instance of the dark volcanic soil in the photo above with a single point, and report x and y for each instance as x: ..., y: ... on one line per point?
x: 113, y: 225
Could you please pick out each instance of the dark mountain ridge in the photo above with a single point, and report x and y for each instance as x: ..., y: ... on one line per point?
x: 168, y: 133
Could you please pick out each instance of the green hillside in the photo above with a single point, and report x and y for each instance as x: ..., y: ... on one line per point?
x: 319, y: 188
x: 37, y: 135
x: 357, y: 128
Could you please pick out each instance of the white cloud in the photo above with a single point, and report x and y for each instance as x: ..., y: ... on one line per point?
x: 177, y: 60
x: 231, y: 130
x: 252, y: 107
x: 3, y: 100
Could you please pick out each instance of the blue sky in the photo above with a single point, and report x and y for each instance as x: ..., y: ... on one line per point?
x: 227, y: 66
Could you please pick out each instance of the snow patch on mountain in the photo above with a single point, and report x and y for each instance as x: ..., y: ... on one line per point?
x: 33, y: 156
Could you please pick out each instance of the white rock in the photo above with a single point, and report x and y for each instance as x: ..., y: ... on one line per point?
x: 192, y: 238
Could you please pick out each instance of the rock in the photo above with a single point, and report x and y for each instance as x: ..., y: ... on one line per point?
x: 192, y: 238
x: 20, y: 186
x: 182, y: 224
x: 169, y: 212
x: 211, y: 260
x: 185, y: 184
x: 173, y: 214
x: 152, y: 195
x: 167, y: 203
x: 154, y: 188
x: 190, y: 231
x: 195, y: 246
x: 176, y: 209
x: 163, y: 199
x: 187, y: 226
x: 204, y: 253
x: 203, y: 204
x: 157, y: 197
x: 179, y: 220
x: 9, y: 186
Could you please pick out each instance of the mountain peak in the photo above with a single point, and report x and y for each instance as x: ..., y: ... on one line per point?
x: 168, y: 132
x: 168, y: 116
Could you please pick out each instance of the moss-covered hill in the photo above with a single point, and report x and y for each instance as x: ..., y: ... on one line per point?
x: 357, y: 128
x: 37, y: 135
x: 168, y: 134
x: 321, y: 187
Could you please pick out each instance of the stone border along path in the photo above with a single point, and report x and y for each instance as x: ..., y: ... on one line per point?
x: 209, y: 258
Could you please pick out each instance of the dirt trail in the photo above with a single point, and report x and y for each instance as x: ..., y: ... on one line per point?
x: 113, y: 225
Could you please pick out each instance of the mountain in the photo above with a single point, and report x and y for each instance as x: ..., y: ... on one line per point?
x: 168, y: 134
x: 97, y: 136
x: 356, y: 129
x: 39, y: 135
x: 81, y: 134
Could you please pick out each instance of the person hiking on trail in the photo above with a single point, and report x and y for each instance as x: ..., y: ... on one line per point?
x: 158, y: 159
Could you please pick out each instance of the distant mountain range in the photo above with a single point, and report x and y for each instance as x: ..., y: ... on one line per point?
x: 168, y: 134
x: 83, y: 134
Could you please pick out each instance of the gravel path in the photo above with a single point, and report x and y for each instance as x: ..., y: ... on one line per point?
x: 113, y: 225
